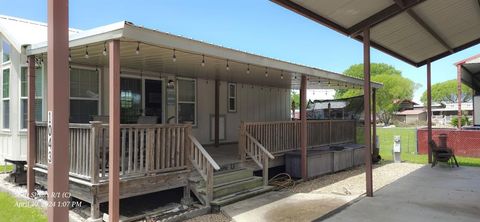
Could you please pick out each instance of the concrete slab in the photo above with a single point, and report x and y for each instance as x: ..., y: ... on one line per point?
x: 285, y: 206
x: 427, y: 194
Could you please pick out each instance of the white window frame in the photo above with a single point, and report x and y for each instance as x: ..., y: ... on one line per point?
x: 2, y: 40
x: 231, y: 97
x: 195, y: 122
x: 6, y: 99
x: 150, y: 76
x: 26, y: 97
x: 99, y: 73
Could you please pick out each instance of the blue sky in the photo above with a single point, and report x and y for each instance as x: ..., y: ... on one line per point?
x: 257, y: 26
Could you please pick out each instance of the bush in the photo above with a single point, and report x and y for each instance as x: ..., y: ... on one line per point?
x: 464, y: 121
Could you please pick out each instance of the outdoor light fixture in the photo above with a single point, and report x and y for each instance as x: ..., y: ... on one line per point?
x: 171, y: 83
x: 138, y: 48
x: 86, y: 52
x: 228, y: 67
x: 266, y: 72
x: 174, y: 57
x: 203, y: 60
x: 104, y: 49
x: 69, y: 57
x: 248, y: 68
x: 281, y: 75
x: 328, y: 83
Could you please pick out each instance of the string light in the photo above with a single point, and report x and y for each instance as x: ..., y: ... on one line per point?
x: 69, y: 55
x: 137, y: 51
x: 174, y: 57
x: 227, y: 67
x: 328, y: 83
x: 266, y: 72
x: 104, y: 49
x: 248, y: 68
x: 86, y: 52
x: 281, y: 75
x: 203, y: 60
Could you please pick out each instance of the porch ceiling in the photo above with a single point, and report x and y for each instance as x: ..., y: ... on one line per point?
x: 470, y: 72
x: 415, y: 31
x: 155, y: 57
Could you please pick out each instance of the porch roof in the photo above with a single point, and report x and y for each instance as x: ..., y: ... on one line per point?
x: 157, y: 49
x: 415, y: 31
x: 470, y: 72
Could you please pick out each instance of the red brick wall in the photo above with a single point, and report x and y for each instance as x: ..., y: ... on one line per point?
x: 463, y: 142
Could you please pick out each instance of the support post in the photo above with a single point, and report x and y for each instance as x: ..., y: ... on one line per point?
x: 303, y: 127
x: 217, y: 113
x: 367, y: 105
x: 31, y: 152
x: 459, y: 95
x: 114, y: 132
x: 429, y: 111
x: 374, y: 126
x: 58, y: 110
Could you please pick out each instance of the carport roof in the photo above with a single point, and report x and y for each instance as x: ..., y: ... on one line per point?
x: 415, y: 31
x: 470, y: 71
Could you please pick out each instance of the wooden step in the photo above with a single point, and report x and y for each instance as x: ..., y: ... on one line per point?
x: 235, y: 197
x: 235, y: 186
x: 231, y: 175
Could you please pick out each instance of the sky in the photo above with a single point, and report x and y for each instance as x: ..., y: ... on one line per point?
x: 256, y: 26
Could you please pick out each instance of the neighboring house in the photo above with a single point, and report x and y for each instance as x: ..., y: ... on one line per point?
x: 177, y: 95
x: 411, y: 116
x: 442, y: 116
x: 348, y: 108
x: 15, y: 33
x: 405, y: 104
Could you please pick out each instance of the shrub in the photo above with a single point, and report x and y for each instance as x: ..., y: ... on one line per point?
x: 464, y: 121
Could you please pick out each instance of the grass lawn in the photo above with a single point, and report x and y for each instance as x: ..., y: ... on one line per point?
x: 408, y: 140
x: 9, y: 211
x: 7, y: 168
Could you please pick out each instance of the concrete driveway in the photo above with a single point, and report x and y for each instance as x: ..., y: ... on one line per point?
x: 427, y: 194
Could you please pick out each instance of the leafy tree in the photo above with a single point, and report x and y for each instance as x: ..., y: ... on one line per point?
x: 295, y: 99
x: 447, y: 92
x: 395, y: 87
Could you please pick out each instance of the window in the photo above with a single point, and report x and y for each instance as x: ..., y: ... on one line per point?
x: 232, y: 97
x: 130, y: 100
x: 24, y: 96
x: 6, y: 51
x: 84, y: 95
x: 187, y: 98
x: 6, y: 99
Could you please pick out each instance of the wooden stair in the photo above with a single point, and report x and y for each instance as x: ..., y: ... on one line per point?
x: 230, y: 186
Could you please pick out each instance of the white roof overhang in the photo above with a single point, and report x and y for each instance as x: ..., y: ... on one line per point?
x: 156, y: 51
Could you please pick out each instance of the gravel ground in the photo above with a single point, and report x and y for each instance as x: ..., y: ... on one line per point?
x: 210, y: 218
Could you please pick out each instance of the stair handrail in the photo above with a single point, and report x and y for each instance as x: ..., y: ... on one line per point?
x: 259, y: 154
x: 198, y: 157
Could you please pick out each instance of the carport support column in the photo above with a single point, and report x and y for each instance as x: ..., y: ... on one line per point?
x: 58, y: 110
x: 217, y: 113
x: 374, y: 125
x: 114, y: 131
x: 459, y: 95
x: 429, y: 111
x: 368, y: 116
x: 31, y: 151
x: 303, y: 127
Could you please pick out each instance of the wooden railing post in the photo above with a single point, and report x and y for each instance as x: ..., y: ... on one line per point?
x: 241, y: 144
x: 94, y: 145
x: 209, y: 185
x: 265, y: 169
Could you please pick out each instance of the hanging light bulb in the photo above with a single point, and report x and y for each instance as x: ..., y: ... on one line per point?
x: 203, y: 60
x: 248, y: 68
x: 137, y: 51
x: 104, y: 49
x: 328, y: 83
x: 86, y: 52
x: 174, y: 57
x: 227, y: 67
x: 69, y: 56
x: 266, y: 72
x: 294, y: 77
x: 281, y: 75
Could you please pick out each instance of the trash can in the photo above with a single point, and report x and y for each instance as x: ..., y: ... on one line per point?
x: 396, y: 149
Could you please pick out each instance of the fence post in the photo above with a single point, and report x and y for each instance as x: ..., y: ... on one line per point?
x: 241, y: 144
x: 94, y: 142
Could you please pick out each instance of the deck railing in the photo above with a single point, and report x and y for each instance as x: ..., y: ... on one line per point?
x: 259, y: 155
x: 204, y: 164
x: 283, y: 136
x: 145, y: 149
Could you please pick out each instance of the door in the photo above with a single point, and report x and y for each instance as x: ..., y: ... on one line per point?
x: 154, y: 98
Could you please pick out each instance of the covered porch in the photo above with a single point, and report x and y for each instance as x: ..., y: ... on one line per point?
x: 144, y: 105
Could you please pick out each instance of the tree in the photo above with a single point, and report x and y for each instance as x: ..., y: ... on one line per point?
x: 395, y: 87
x: 447, y: 92
x: 295, y: 99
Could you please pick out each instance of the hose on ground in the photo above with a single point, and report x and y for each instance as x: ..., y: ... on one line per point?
x: 282, y: 181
